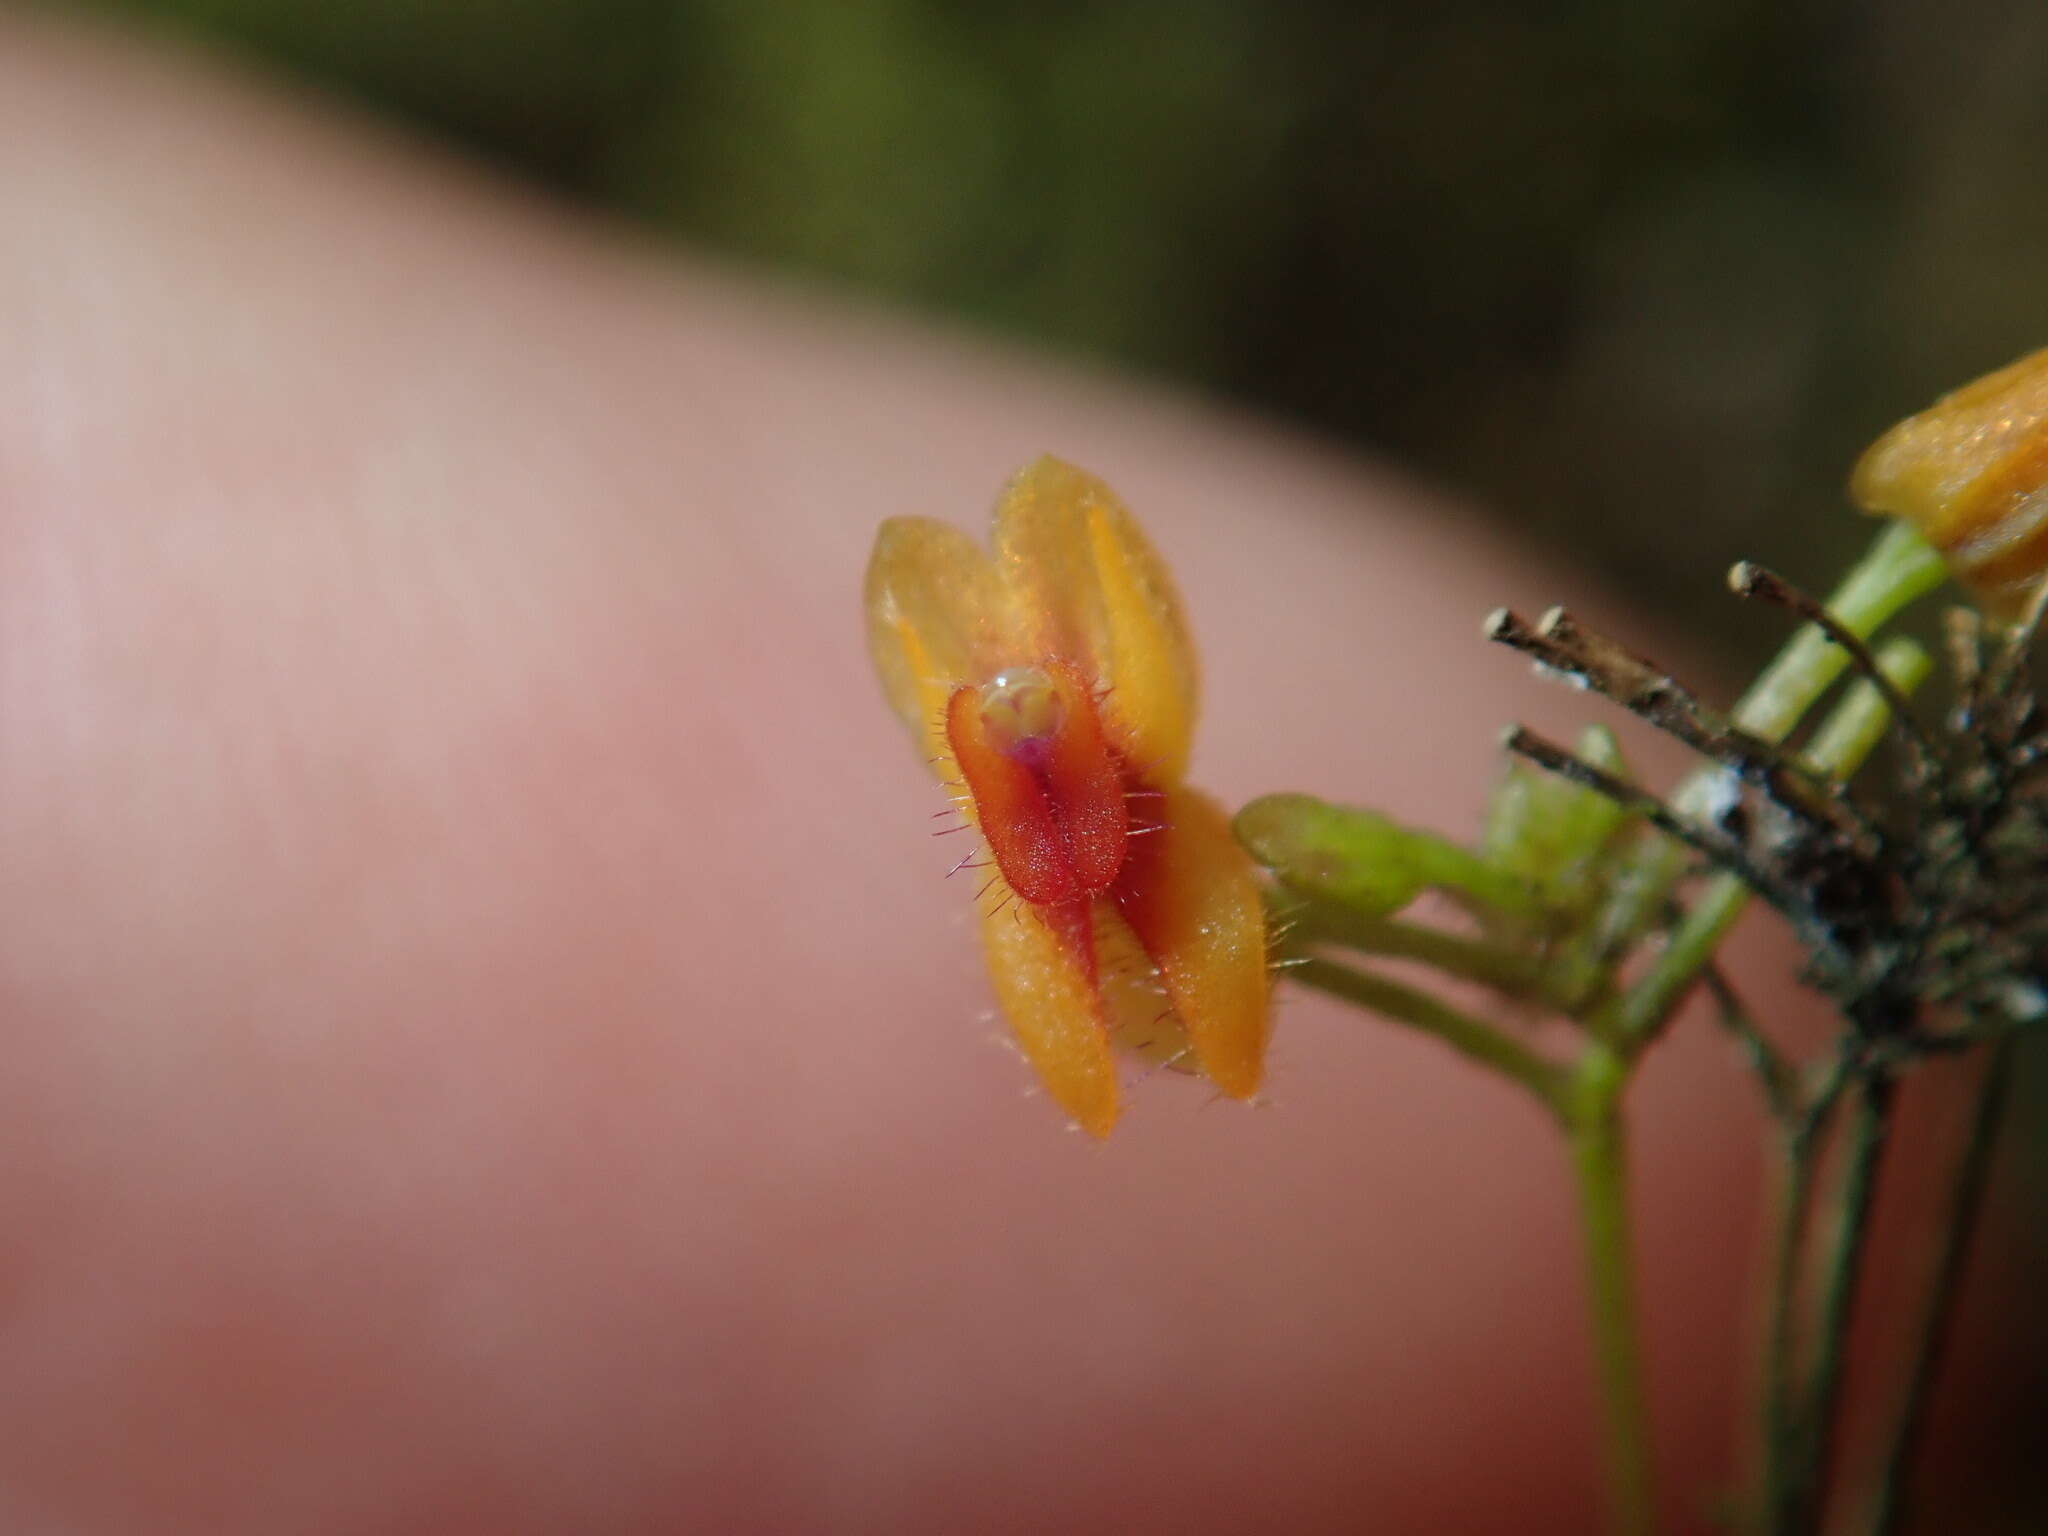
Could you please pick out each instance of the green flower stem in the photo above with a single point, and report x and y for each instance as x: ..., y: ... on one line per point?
x: 1351, y: 857
x: 1898, y: 568
x: 1470, y: 959
x: 1839, y: 748
x: 1849, y: 735
x: 1780, y: 1422
x: 1958, y: 1231
x: 1461, y: 1032
x: 1869, y: 1128
x: 1645, y: 1008
x: 1773, y: 1073
x: 1346, y: 859
x: 1599, y: 1143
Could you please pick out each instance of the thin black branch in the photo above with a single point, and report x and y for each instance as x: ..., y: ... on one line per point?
x: 1937, y: 1320
x: 1747, y: 579
x: 1718, y: 849
x: 1840, y: 1286
x: 1779, y: 1084
x: 1560, y: 643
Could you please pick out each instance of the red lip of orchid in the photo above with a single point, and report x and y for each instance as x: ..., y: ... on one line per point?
x: 1054, y: 681
x: 1047, y: 790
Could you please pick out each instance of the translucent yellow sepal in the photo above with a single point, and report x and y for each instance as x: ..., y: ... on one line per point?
x: 938, y: 615
x: 1093, y: 590
x: 1047, y: 992
x: 1191, y: 895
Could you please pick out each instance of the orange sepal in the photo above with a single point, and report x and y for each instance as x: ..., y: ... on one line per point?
x: 1091, y: 588
x: 1042, y: 960
x: 938, y: 614
x: 1191, y: 895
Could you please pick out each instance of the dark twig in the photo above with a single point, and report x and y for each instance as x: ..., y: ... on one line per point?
x: 1841, y: 1283
x: 1747, y: 579
x: 1779, y: 1084
x: 1560, y: 643
x: 1719, y: 850
x: 1937, y: 1319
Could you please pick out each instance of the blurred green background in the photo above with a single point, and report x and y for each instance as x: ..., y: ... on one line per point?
x: 1640, y: 276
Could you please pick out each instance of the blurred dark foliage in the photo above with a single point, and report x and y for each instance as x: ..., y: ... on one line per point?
x: 1642, y: 276
x: 1639, y: 274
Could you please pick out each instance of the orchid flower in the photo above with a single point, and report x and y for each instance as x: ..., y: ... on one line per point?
x: 1053, y: 687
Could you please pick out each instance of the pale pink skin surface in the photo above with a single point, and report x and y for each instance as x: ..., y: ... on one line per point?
x: 486, y: 1042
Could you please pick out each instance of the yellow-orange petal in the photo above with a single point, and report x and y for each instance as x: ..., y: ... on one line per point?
x: 1191, y: 895
x: 1042, y: 962
x: 1092, y: 590
x: 1971, y: 473
x: 938, y: 615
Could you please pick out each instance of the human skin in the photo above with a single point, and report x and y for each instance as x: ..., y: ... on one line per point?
x: 487, y: 1045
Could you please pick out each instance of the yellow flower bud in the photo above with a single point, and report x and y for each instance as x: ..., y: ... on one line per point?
x: 1971, y: 473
